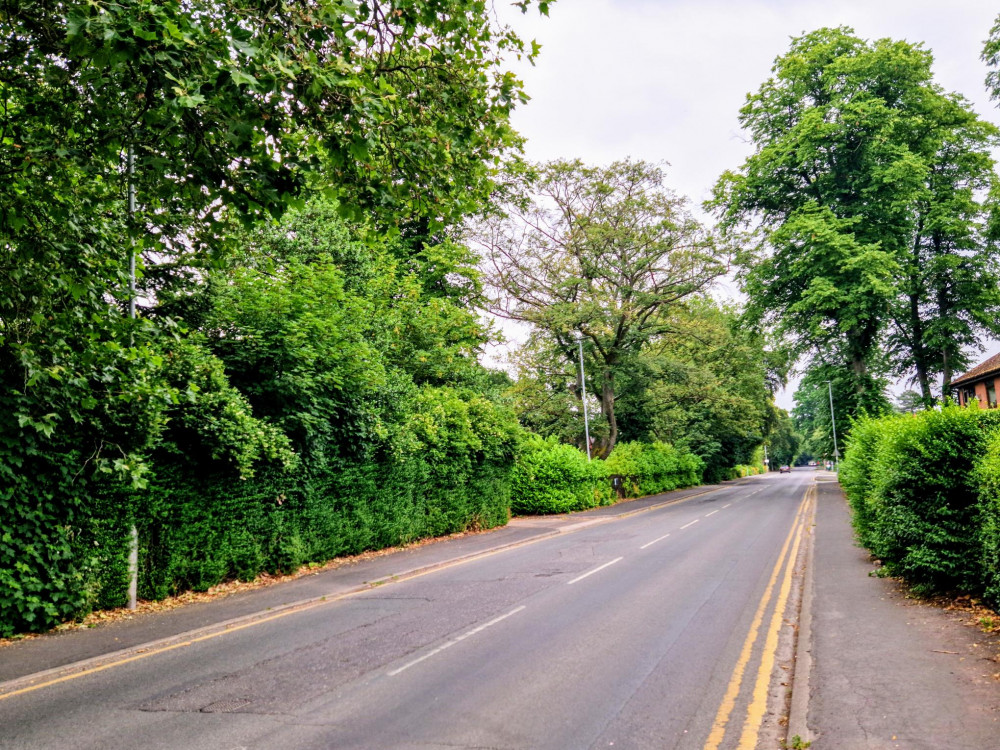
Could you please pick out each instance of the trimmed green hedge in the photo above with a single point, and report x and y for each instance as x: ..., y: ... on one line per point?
x: 196, y: 532
x: 987, y: 479
x: 654, y: 467
x: 446, y: 469
x: 550, y: 477
x: 920, y: 488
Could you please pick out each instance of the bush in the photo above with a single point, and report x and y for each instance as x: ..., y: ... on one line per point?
x: 987, y: 478
x: 651, y: 468
x: 550, y: 477
x: 856, y: 469
x: 916, y: 498
x: 200, y: 523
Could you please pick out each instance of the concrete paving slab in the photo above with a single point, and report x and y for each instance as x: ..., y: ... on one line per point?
x: 888, y: 671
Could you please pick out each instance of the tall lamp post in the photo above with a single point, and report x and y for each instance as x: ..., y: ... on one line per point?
x: 833, y: 425
x: 583, y: 392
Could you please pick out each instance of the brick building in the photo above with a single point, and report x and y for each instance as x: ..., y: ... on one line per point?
x: 981, y: 382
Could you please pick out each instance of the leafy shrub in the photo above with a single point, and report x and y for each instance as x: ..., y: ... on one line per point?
x: 912, y: 478
x: 654, y: 467
x: 987, y: 478
x: 856, y: 471
x: 551, y: 477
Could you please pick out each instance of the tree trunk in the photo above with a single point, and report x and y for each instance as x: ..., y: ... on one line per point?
x: 946, y: 375
x: 919, y: 352
x: 608, y: 410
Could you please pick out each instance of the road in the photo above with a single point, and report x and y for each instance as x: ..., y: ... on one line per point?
x: 657, y: 630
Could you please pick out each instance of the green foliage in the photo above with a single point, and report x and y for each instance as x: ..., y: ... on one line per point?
x: 220, y: 114
x: 606, y: 253
x: 812, y: 406
x: 863, y: 209
x: 652, y: 468
x: 550, y: 477
x: 702, y: 387
x: 911, y: 482
x: 987, y: 478
x: 199, y: 526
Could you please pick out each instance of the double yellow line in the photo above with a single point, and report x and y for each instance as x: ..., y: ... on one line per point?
x: 783, y: 569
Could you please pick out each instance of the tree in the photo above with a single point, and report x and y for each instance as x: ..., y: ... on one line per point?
x: 702, y: 387
x: 784, y: 442
x: 606, y: 252
x: 216, y: 114
x: 863, y: 203
x: 949, y: 286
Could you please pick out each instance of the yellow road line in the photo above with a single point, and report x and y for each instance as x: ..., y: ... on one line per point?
x: 718, y: 731
x: 758, y: 701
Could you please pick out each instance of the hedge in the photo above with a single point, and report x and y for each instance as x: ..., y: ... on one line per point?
x: 920, y: 487
x: 651, y: 468
x: 200, y: 526
x: 196, y: 532
x: 200, y: 523
x: 551, y: 477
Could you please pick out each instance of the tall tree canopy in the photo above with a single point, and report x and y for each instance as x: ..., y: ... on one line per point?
x: 864, y: 205
x: 215, y: 114
x: 603, y: 252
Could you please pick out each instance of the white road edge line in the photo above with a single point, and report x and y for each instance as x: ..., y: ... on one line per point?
x: 650, y: 544
x: 453, y: 641
x: 712, y: 513
x: 690, y: 524
x: 591, y: 572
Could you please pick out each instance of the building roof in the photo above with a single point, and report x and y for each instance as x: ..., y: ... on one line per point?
x: 989, y: 367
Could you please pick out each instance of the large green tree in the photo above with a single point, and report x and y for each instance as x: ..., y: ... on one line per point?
x: 862, y: 205
x: 212, y: 114
x: 603, y: 252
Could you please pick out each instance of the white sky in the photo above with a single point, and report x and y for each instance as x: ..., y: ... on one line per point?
x: 663, y: 80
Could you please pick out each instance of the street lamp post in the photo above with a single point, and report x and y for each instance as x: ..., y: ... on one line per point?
x: 583, y: 392
x: 833, y: 426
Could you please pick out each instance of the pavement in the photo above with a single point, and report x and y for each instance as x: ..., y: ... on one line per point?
x: 80, y: 647
x: 886, y: 671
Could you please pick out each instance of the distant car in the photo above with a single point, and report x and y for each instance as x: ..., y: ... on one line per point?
x: 785, y: 470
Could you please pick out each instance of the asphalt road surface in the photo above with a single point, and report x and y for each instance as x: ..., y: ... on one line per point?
x: 652, y: 631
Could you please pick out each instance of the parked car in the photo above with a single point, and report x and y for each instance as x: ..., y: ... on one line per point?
x: 785, y: 470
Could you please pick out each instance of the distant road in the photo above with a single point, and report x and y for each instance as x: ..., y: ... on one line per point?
x: 651, y: 631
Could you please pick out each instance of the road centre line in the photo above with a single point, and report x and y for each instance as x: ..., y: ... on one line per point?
x: 650, y: 544
x: 726, y: 506
x: 595, y: 570
x: 459, y: 639
x: 784, y: 561
x: 690, y: 524
x: 712, y: 513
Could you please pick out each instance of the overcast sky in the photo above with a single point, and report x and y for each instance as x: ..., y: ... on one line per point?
x: 664, y: 80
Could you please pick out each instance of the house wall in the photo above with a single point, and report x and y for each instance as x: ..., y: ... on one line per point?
x: 980, y: 392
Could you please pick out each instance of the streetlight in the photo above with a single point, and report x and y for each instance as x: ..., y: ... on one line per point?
x: 583, y: 390
x: 833, y: 425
